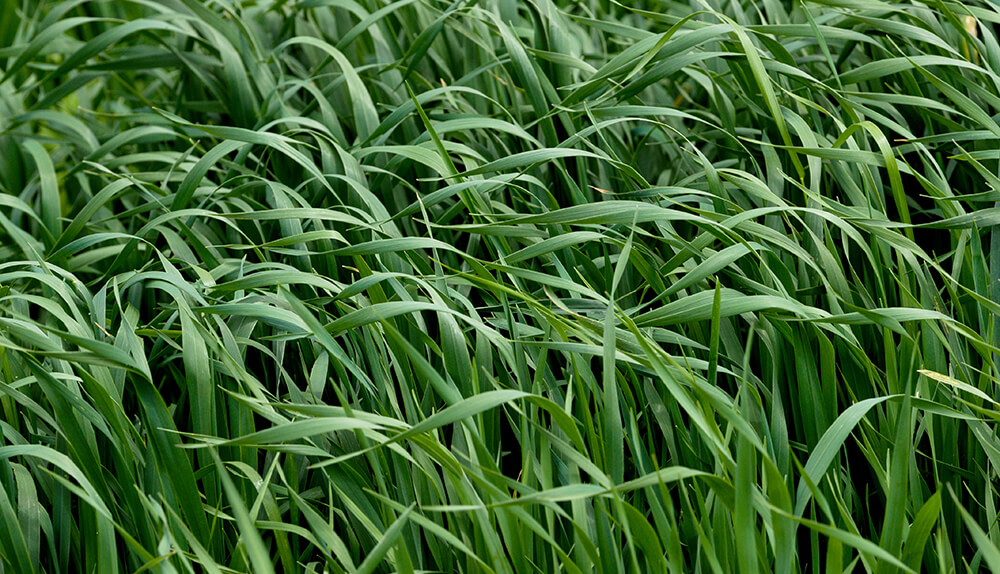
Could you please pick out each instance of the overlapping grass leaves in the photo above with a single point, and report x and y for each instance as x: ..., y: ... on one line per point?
x: 498, y: 287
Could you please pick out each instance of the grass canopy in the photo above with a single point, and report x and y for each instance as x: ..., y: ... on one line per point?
x: 372, y: 286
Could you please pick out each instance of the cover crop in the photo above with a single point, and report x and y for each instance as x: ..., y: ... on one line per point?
x: 499, y: 287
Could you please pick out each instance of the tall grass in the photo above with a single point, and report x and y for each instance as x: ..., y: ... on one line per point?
x: 554, y: 286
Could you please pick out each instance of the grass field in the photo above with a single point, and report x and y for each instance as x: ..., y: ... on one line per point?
x: 499, y: 287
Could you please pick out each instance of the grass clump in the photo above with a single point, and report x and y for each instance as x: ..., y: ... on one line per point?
x: 372, y: 286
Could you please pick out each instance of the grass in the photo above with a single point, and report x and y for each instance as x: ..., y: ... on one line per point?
x: 492, y: 287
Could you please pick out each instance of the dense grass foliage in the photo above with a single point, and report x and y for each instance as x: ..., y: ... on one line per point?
x: 550, y: 286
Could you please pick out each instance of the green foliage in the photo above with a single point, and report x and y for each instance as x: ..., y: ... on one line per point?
x: 495, y: 287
